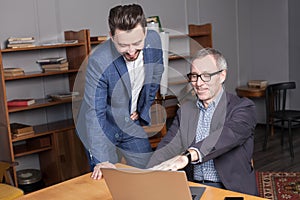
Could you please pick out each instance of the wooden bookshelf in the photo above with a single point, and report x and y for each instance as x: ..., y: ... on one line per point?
x: 46, y: 137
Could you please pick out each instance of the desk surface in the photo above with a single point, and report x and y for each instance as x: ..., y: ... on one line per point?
x: 83, y: 187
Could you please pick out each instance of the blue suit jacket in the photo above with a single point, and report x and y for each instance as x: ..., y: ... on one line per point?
x: 105, y: 110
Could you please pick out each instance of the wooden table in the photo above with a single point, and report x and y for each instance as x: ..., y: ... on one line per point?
x: 83, y: 187
x: 250, y: 92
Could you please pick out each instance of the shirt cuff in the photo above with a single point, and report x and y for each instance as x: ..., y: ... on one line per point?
x: 199, y: 156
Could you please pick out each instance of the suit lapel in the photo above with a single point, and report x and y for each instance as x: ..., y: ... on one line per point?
x: 123, y: 72
x: 193, y: 124
x: 147, y: 65
x: 189, y: 115
x: 217, y: 123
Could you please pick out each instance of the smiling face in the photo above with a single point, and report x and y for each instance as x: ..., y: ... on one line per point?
x: 207, y: 91
x: 129, y: 43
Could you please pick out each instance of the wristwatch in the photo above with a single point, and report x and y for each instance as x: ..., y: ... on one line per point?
x: 188, y: 155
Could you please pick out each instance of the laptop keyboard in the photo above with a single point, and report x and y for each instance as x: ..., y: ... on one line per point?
x: 196, y: 192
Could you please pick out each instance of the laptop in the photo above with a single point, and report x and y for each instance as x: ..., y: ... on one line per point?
x: 139, y: 184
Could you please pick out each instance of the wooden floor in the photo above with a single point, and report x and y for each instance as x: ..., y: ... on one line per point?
x: 276, y: 157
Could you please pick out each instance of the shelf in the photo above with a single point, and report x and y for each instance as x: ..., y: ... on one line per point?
x: 33, y: 145
x: 178, y: 57
x: 42, y: 47
x: 40, y: 74
x: 178, y: 36
x: 39, y: 103
x: 23, y: 150
x: 198, y: 34
x: 55, y: 126
x: 47, y: 129
x: 41, y: 140
x: 97, y: 42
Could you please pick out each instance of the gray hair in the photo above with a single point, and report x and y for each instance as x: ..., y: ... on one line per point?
x: 220, y: 60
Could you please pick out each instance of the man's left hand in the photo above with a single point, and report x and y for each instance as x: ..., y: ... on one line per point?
x: 173, y: 164
x: 134, y: 116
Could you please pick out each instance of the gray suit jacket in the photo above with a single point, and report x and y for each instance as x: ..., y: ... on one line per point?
x: 229, y: 144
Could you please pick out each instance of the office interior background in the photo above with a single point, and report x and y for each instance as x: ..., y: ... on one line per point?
x: 259, y: 38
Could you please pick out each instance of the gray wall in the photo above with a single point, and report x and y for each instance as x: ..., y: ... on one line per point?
x: 263, y: 44
x: 258, y: 37
x: 294, y: 49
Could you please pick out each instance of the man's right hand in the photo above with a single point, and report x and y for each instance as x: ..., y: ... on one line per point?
x: 97, y: 174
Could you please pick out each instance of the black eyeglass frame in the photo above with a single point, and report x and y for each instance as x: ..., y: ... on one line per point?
x: 204, y: 74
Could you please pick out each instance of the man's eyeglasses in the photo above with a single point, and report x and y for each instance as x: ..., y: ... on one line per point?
x: 205, y: 77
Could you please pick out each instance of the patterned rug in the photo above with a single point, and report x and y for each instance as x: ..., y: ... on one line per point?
x: 279, y: 185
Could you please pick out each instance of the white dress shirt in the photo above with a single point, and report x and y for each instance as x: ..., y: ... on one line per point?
x: 137, y: 76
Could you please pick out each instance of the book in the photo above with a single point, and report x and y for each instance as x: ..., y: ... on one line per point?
x: 98, y: 38
x: 21, y: 41
x: 10, y: 39
x: 18, y: 128
x: 56, y: 69
x: 63, y: 95
x: 52, y: 43
x: 55, y: 65
x: 13, y: 69
x: 15, y: 135
x: 20, y: 102
x: 52, y: 60
x: 257, y: 83
x: 20, y: 45
x: 17, y: 73
x: 70, y: 41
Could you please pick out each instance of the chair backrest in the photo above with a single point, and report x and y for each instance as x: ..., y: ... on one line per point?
x: 3, y: 170
x: 7, y: 189
x: 276, y: 96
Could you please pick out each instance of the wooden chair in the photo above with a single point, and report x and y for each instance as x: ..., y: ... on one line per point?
x: 278, y: 115
x: 7, y: 189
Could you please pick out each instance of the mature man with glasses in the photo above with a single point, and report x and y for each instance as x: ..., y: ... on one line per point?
x: 212, y: 138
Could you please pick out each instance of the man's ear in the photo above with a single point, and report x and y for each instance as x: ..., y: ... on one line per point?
x: 146, y: 29
x: 111, y: 36
x: 223, y: 76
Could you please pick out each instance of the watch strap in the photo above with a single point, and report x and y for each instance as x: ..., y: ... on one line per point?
x: 188, y: 155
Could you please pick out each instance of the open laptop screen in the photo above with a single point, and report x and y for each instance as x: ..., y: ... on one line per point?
x: 137, y: 184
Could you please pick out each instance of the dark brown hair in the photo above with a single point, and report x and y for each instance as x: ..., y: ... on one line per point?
x: 126, y: 17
